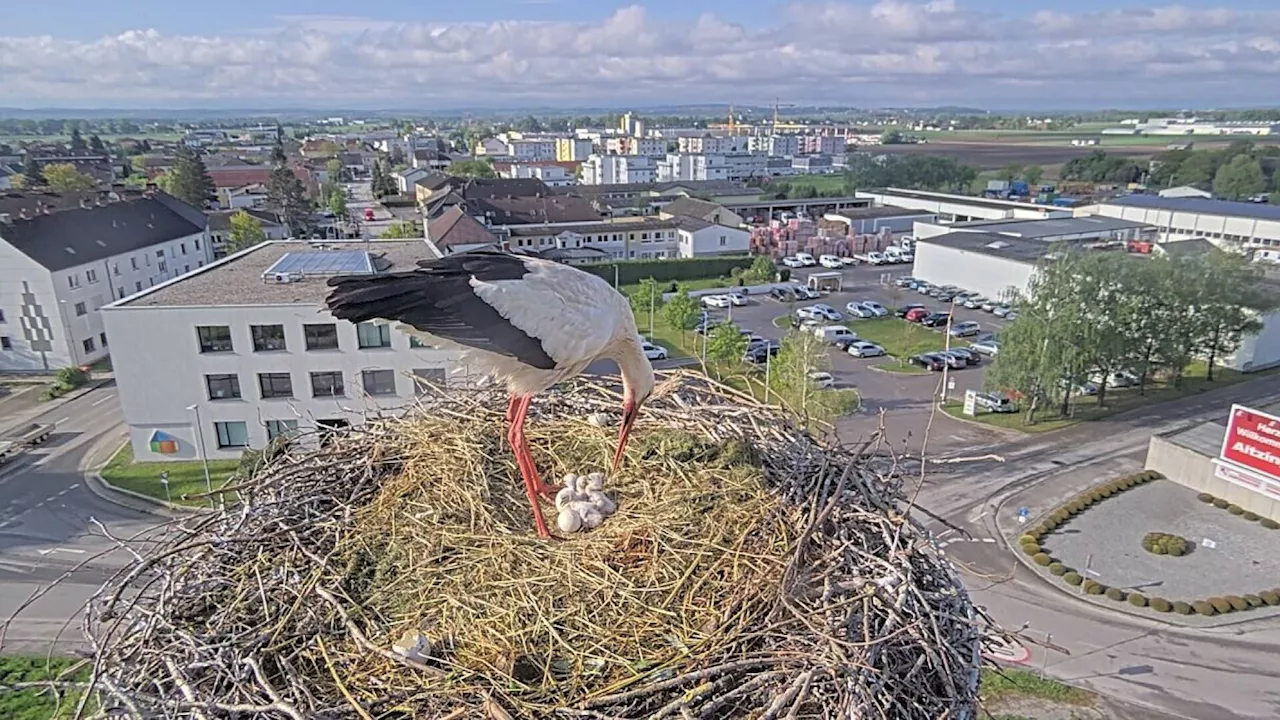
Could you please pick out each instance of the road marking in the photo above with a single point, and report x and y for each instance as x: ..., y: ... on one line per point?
x: 73, y: 487
x: 59, y: 422
x: 988, y: 540
x: 105, y: 399
x: 73, y: 551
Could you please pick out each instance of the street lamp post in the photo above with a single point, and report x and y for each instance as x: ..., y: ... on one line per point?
x: 204, y: 456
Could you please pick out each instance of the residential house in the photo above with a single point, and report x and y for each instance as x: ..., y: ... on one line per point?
x: 220, y: 228
x: 703, y: 210
x: 98, y: 167
x: 249, y: 196
x: 65, y: 255
x: 431, y: 159
x: 406, y: 179
x: 616, y: 169
x: 455, y: 231
x: 554, y: 174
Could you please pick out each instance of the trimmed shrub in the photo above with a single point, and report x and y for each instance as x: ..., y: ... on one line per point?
x: 1160, y: 543
x: 1159, y: 604
x: 1031, y: 549
x: 1203, y: 608
x: 1060, y: 516
x: 1270, y: 597
x: 1105, y: 491
x: 1205, y: 498
x: 1096, y: 589
x: 1050, y: 525
x: 1253, y: 600
x: 1042, y: 559
x: 1237, y: 603
x: 1072, y: 578
x: 1137, y: 599
x: 1183, y: 608
x: 1220, y: 604
x: 1220, y: 503
x: 1235, y: 509
x: 1153, y: 475
x: 1250, y: 516
x: 1025, y: 538
x: 1115, y: 594
x: 1269, y: 524
x: 1058, y: 569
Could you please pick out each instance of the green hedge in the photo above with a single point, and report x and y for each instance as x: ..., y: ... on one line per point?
x: 633, y: 271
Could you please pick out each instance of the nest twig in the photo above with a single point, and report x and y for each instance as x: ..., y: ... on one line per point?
x: 749, y: 572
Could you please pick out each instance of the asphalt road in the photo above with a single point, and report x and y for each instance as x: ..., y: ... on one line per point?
x: 362, y: 198
x: 905, y: 400
x: 46, y: 528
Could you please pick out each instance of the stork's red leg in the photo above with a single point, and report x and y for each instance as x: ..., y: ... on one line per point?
x: 521, y: 447
x: 511, y: 409
x: 525, y: 463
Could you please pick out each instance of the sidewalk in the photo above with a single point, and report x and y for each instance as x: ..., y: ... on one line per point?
x: 29, y: 414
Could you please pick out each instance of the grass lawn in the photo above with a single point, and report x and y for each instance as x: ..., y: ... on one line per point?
x: 34, y: 703
x: 901, y: 367
x: 699, y: 284
x: 821, y: 183
x: 185, y: 477
x: 1007, y: 682
x: 1119, y: 400
x: 898, y: 337
x: 677, y: 344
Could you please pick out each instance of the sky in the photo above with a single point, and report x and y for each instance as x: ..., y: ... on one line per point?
x: 432, y: 55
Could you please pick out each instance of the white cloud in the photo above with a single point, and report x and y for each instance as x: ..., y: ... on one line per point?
x: 889, y: 52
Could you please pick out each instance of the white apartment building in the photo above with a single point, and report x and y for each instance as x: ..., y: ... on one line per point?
x: 687, y: 166
x: 822, y: 145
x: 784, y: 145
x: 552, y: 175
x: 60, y: 264
x: 242, y: 350
x: 573, y: 149
x: 627, y: 145
x: 714, y: 144
x: 647, y: 238
x: 616, y: 169
x: 530, y: 150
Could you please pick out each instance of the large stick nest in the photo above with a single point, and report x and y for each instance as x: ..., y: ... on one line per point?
x: 748, y: 572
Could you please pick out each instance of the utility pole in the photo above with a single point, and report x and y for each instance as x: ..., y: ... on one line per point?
x: 652, y: 302
x: 946, y: 365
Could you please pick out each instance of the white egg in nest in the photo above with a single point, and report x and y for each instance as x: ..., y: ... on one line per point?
x: 582, y: 503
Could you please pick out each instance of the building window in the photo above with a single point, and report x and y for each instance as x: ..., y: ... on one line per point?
x: 184, y: 248
x: 5, y: 343
x: 223, y: 387
x: 102, y: 337
x: 133, y: 261
x: 120, y: 292
x: 160, y: 254
x: 197, y: 243
x: 88, y: 345
x: 371, y: 335
x: 426, y: 377
x: 115, y: 268
x: 214, y: 338
x: 379, y: 382
x: 281, y: 428
x: 267, y: 338
x: 327, y: 384
x: 186, y: 269
x: 275, y: 385
x: 1, y: 316
x: 321, y: 337
x: 91, y: 275
x: 137, y: 286
x: 418, y: 343
x: 73, y: 281
x: 163, y: 267
x: 234, y: 434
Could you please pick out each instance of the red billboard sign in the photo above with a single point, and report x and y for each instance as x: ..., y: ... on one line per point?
x: 1253, y: 441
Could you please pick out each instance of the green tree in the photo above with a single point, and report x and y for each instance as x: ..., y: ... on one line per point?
x: 1239, y: 178
x: 726, y: 345
x: 65, y: 176
x: 336, y: 200
x: 1033, y: 174
x: 288, y: 198
x: 32, y: 175
x: 381, y: 184
x: 891, y: 137
x: 96, y: 145
x: 335, y: 170
x: 402, y: 231
x: 396, y: 156
x: 681, y: 312
x: 1011, y: 172
x: 188, y: 179
x: 800, y: 354
x: 761, y: 271
x: 78, y: 145
x: 472, y: 169
x: 1233, y: 288
x: 245, y: 232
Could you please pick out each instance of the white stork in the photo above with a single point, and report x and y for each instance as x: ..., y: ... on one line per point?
x: 528, y: 321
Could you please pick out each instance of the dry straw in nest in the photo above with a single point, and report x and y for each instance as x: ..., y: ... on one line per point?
x: 749, y: 572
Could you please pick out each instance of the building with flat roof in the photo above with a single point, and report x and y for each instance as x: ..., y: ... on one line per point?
x: 1254, y: 226
x: 962, y: 208
x: 65, y: 255
x: 1085, y: 228
x: 243, y: 350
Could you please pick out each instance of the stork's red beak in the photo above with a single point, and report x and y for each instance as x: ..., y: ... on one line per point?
x: 629, y: 411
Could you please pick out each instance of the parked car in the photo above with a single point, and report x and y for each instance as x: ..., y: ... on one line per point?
x: 988, y: 347
x: 848, y: 260
x: 716, y: 301
x: 806, y: 260
x: 782, y: 294
x: 967, y: 328
x: 996, y: 402
x: 834, y: 333
x: 792, y: 262
x: 822, y: 380
x: 928, y: 361
x: 823, y: 312
x: 654, y: 352
x: 970, y: 357
x: 770, y: 346
x: 830, y: 261
x: 1011, y: 315
x: 990, y: 305
x: 368, y: 214
x: 973, y: 302
x: 917, y: 314
x: 923, y: 287
x: 946, y: 295
x: 954, y: 361
x: 905, y: 310
x: 736, y: 299
x: 857, y: 309
x: 1002, y: 311
x: 875, y: 307
x: 862, y: 348
x: 904, y: 281
x: 935, y: 319
x: 807, y: 293
x: 705, y: 326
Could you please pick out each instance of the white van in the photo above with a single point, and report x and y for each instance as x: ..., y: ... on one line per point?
x: 876, y: 258
x: 907, y: 242
x: 806, y: 259
x: 893, y: 254
x: 835, y: 333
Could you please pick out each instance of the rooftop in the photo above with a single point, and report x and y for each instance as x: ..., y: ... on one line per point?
x: 1003, y: 246
x: 694, y: 186
x: 1201, y: 206
x: 220, y: 220
x: 1053, y: 227
x: 962, y: 199
x: 238, y: 279
x: 1206, y: 438
x: 868, y: 213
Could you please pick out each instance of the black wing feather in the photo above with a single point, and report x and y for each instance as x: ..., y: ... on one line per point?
x: 439, y: 299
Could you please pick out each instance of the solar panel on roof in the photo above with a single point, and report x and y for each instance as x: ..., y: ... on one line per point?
x: 340, y: 262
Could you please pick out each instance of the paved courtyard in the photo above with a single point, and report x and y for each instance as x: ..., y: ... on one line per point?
x: 1244, y: 558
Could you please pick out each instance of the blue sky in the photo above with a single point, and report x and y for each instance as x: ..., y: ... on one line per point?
x: 266, y: 54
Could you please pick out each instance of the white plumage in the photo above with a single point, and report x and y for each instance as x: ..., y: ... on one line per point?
x: 530, y: 322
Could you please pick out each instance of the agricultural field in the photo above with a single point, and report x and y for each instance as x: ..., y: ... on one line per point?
x: 995, y: 155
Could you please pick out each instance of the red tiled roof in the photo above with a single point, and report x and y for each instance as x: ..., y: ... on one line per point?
x: 455, y: 227
x: 235, y: 177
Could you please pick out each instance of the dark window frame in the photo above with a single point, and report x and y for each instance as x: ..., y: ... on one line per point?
x: 314, y: 333
x: 262, y: 343
x: 210, y: 344
x: 222, y: 431
x: 377, y: 374
x: 337, y: 389
x: 232, y: 386
x: 269, y: 385
x: 382, y: 341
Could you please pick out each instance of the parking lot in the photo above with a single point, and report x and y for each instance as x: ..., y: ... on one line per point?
x: 905, y: 399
